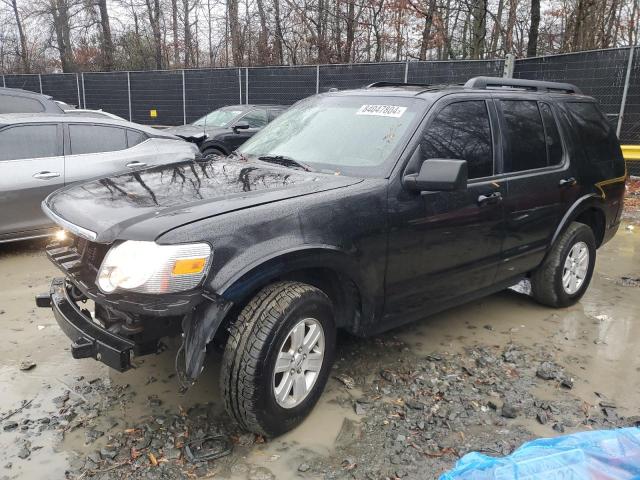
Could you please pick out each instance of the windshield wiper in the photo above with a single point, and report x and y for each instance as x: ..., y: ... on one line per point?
x: 285, y: 161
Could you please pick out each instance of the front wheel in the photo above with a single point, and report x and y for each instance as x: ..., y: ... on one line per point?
x: 565, y: 274
x: 278, y: 357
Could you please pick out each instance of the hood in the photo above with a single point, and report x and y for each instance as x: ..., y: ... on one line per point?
x: 144, y: 204
x: 186, y: 130
x: 195, y: 131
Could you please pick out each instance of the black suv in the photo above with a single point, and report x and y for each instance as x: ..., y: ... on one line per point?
x: 358, y: 210
x: 222, y: 131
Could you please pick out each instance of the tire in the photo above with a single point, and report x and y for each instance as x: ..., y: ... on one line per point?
x: 248, y: 379
x: 213, y: 151
x: 547, y: 284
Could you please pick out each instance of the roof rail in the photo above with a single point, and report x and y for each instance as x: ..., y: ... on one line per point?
x: 396, y: 84
x: 486, y: 83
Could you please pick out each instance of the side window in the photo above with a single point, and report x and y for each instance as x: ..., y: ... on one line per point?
x: 29, y: 141
x: 598, y: 137
x: 462, y: 131
x: 552, y: 135
x: 11, y: 104
x: 256, y: 118
x: 135, y: 137
x: 525, y: 146
x: 96, y: 138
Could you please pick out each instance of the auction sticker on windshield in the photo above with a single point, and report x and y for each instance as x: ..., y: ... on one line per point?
x: 382, y: 110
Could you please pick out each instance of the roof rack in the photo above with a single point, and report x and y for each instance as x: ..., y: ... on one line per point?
x: 486, y: 83
x: 396, y: 84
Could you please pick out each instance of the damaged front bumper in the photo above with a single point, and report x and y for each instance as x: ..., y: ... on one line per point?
x: 90, y: 339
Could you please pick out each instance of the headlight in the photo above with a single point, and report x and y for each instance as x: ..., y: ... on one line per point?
x: 147, y: 267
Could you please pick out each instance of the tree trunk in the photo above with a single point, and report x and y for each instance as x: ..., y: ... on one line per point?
x: 351, y: 30
x: 174, y: 28
x: 479, y: 29
x: 210, y: 34
x: 107, y: 40
x: 426, y: 30
x: 263, y: 36
x: 511, y: 22
x: 60, y: 13
x: 532, y: 44
x: 186, y: 10
x: 278, y: 41
x: 154, y: 21
x: 24, y: 50
x: 497, y: 29
x: 234, y: 31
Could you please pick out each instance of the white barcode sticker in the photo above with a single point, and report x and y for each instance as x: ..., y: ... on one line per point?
x: 382, y: 110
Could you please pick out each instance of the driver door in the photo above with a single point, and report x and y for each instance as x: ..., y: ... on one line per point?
x: 446, y: 245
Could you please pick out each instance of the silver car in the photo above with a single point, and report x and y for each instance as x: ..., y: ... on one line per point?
x: 40, y: 153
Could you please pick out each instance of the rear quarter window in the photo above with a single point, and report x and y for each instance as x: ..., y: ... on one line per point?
x: 596, y: 135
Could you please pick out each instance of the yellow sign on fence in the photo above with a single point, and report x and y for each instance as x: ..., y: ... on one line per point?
x: 153, y: 113
x: 631, y: 153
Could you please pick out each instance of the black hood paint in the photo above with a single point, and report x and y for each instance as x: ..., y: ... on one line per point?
x: 144, y: 204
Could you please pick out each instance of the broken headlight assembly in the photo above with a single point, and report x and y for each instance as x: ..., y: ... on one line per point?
x: 147, y: 267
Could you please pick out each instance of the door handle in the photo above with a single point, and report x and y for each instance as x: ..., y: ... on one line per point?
x: 136, y: 164
x: 46, y: 175
x: 492, y: 198
x: 567, y: 182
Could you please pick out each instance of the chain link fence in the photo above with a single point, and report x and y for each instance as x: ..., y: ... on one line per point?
x: 173, y: 97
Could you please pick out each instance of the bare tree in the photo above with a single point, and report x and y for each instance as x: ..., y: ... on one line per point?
x: 24, y: 50
x: 532, y: 44
x: 59, y: 10
x: 107, y: 40
x: 153, y: 11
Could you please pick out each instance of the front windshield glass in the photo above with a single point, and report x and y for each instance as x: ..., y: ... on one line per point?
x: 217, y: 118
x: 353, y: 135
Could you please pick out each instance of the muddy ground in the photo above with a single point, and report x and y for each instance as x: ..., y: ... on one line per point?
x: 486, y: 376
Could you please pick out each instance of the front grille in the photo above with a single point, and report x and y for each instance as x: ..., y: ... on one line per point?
x: 78, y: 258
x: 90, y: 253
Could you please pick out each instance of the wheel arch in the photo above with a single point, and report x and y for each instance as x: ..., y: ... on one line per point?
x: 214, y: 144
x: 331, y: 270
x: 589, y: 210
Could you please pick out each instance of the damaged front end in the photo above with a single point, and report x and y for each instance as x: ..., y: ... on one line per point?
x: 122, y: 326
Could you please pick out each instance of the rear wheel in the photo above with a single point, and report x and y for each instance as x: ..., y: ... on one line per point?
x: 565, y: 274
x: 278, y: 357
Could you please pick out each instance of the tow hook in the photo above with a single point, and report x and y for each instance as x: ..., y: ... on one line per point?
x: 43, y: 300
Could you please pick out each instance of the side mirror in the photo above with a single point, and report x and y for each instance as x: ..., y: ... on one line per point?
x: 240, y: 126
x: 438, y: 174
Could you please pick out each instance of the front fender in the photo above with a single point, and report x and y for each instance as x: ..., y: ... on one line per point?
x: 235, y: 284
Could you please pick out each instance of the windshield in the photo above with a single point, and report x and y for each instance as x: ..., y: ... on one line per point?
x: 217, y: 118
x: 353, y: 135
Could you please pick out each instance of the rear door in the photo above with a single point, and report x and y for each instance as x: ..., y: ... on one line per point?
x: 31, y: 166
x: 538, y: 176
x: 101, y: 150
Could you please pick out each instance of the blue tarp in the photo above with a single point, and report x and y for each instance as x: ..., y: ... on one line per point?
x: 597, y: 455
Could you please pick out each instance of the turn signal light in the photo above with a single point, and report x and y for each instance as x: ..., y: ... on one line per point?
x: 188, y: 266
